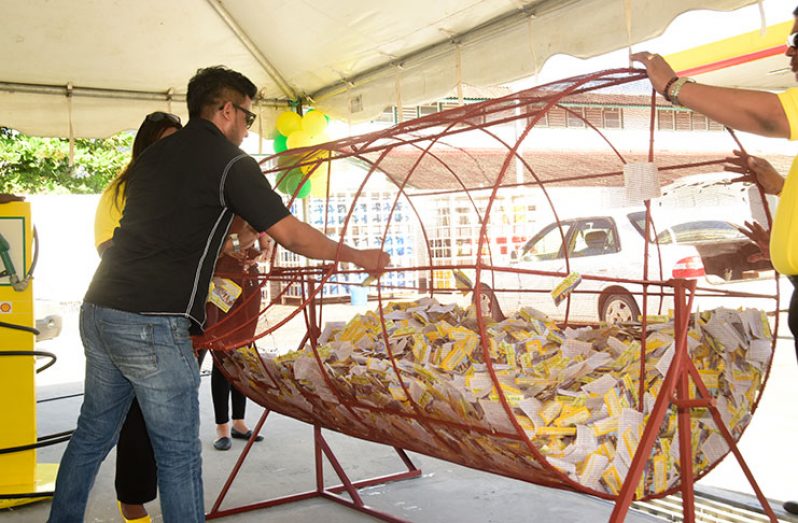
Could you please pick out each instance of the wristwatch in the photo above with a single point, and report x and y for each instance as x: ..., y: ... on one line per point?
x: 236, y: 244
x: 676, y: 88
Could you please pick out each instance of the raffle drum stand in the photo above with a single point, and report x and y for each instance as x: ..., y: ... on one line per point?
x: 476, y: 441
x: 676, y: 391
x: 321, y: 449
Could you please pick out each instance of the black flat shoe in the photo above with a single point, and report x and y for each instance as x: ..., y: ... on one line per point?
x: 223, y: 444
x: 791, y: 507
x: 245, y: 435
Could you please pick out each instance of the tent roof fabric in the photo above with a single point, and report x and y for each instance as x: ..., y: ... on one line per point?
x: 351, y: 57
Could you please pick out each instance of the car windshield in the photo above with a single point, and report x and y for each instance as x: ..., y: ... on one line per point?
x: 690, y: 232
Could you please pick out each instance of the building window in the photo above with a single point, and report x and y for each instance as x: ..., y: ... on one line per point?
x: 613, y: 118
x: 409, y: 113
x: 575, y: 117
x: 594, y: 116
x: 715, y: 126
x: 387, y: 116
x: 424, y: 110
x: 684, y: 121
x: 670, y: 120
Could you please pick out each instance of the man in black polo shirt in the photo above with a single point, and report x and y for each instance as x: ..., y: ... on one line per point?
x: 151, y: 286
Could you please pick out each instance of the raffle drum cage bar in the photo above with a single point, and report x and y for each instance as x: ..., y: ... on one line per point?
x: 380, y: 392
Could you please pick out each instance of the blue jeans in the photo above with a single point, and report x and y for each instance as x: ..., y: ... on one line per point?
x: 151, y: 357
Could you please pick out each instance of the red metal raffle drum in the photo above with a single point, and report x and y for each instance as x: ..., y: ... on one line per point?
x: 505, y: 389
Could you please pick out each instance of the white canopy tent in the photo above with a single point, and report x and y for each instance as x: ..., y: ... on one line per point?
x: 90, y: 68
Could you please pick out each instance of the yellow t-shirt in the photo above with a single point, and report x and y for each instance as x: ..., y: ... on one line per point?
x: 107, y: 217
x: 784, y: 236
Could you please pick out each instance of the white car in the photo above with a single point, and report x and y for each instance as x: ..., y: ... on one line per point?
x: 610, y: 246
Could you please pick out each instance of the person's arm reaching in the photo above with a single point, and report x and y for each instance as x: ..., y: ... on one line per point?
x: 757, y: 112
x: 301, y: 238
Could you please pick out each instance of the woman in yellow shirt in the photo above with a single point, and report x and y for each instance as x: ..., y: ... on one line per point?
x: 136, y: 472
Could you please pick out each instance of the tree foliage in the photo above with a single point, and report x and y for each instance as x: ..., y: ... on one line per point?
x: 30, y: 164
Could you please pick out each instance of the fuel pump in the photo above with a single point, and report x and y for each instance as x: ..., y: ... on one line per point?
x: 22, y: 480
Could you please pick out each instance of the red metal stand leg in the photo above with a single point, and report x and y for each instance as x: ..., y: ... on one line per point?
x: 685, y: 450
x: 350, y: 489
x: 237, y: 466
x: 724, y: 431
x: 321, y: 449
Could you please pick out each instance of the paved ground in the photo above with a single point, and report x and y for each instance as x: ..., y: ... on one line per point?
x: 282, y: 464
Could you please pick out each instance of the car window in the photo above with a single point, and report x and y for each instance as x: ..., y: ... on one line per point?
x: 593, y: 237
x: 706, y: 230
x: 689, y: 232
x: 546, y: 245
x: 638, y: 220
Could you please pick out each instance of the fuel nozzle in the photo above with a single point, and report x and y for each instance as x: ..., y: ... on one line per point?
x: 8, y: 265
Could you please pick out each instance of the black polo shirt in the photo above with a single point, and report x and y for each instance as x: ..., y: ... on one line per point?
x: 181, y: 197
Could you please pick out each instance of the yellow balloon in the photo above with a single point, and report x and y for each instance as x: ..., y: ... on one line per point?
x: 288, y: 122
x: 319, y: 187
x: 298, y: 139
x: 316, y: 139
x: 318, y: 164
x: 314, y: 123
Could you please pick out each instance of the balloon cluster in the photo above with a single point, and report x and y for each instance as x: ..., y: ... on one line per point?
x: 295, y: 132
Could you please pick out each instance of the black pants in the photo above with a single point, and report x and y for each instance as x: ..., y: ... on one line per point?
x: 221, y: 391
x: 136, y: 479
x: 136, y: 473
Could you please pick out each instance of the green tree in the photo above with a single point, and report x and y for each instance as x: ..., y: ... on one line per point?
x: 29, y: 164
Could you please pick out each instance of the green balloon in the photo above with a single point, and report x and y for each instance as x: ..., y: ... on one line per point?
x: 280, y: 144
x: 305, y: 190
x: 296, y: 177
x: 284, y: 179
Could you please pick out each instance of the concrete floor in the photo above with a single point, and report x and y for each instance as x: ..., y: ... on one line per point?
x: 283, y: 463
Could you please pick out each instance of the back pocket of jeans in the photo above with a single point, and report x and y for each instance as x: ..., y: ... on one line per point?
x: 131, y: 348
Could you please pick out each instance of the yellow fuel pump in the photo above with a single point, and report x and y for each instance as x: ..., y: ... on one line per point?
x: 22, y: 479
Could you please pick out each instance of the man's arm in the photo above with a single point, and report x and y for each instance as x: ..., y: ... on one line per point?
x: 301, y: 238
x: 757, y: 112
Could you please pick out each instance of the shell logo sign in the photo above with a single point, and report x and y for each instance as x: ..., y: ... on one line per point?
x: 5, y: 307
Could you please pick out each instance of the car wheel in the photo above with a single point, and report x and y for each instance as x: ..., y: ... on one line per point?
x: 619, y: 308
x: 489, y: 304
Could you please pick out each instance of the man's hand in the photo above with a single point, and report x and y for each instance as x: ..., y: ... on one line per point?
x: 374, y: 261
x: 659, y: 72
x: 755, y: 170
x: 761, y: 237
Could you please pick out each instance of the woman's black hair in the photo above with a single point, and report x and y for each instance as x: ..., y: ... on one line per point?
x: 149, y: 132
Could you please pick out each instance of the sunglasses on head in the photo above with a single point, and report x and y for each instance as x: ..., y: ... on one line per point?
x: 159, y: 116
x: 792, y: 40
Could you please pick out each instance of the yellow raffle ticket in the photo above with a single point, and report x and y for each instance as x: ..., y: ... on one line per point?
x: 223, y: 293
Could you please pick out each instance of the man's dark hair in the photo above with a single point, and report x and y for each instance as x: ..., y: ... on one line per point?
x: 215, y: 85
x: 795, y: 12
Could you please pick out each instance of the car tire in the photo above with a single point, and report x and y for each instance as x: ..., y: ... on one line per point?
x: 619, y: 308
x: 490, y: 304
